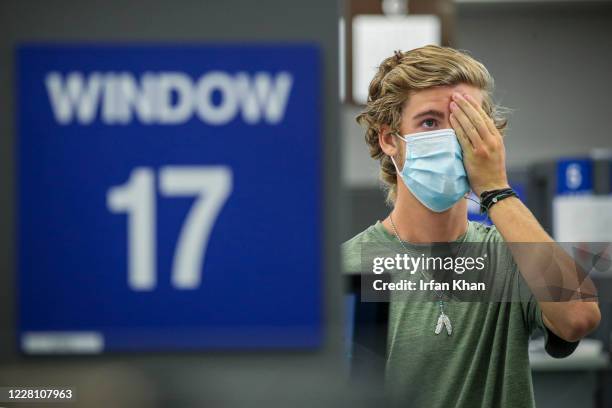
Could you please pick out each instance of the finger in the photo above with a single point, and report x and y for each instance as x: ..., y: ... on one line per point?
x: 474, y: 103
x: 492, y: 128
x: 473, y: 115
x: 466, y: 124
x: 486, y: 118
x: 464, y: 140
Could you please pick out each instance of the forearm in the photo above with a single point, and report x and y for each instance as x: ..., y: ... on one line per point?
x: 515, y: 222
x: 569, y: 320
x: 539, y: 258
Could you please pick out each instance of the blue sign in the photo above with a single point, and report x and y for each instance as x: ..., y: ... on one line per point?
x: 473, y: 206
x: 169, y: 197
x: 574, y: 176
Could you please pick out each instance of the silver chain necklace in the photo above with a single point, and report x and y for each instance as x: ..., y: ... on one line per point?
x: 443, y: 320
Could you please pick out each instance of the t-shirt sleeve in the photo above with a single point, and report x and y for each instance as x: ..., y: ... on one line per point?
x: 351, y: 257
x: 555, y: 346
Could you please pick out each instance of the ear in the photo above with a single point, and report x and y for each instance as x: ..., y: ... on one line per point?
x: 389, y: 143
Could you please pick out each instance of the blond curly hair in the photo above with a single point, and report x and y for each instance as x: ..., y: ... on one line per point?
x: 405, y: 72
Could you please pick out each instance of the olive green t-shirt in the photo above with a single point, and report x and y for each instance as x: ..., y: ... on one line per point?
x: 485, y: 361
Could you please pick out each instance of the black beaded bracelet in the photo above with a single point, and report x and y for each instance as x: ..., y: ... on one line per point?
x: 490, y: 198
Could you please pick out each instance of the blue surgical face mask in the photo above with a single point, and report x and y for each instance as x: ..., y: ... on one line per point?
x: 433, y: 170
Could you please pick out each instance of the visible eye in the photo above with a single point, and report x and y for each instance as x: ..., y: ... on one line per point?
x: 429, y: 123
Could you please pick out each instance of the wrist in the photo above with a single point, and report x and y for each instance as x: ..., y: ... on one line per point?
x: 503, y: 207
x: 490, y: 199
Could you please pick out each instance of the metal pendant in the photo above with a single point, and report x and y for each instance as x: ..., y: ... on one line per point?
x: 443, y: 321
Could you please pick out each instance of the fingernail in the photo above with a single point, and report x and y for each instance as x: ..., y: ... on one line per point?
x: 453, y: 106
x: 466, y: 96
x: 456, y: 95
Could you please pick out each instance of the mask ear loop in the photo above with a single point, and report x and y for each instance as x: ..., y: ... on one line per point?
x: 467, y: 197
x: 392, y: 159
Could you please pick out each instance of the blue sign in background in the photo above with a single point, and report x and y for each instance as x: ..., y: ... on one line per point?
x: 574, y: 176
x: 261, y: 275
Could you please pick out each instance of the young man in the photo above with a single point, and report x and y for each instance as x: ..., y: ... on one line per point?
x: 431, y: 123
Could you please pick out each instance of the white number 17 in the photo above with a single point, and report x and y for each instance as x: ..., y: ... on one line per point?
x: 212, y: 185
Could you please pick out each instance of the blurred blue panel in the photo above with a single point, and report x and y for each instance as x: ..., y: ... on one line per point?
x: 92, y: 116
x: 349, y: 324
x: 574, y: 176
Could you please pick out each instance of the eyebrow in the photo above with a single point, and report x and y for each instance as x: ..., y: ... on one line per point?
x: 431, y: 112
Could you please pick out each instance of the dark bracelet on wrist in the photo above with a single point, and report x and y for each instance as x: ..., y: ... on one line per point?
x: 489, y: 198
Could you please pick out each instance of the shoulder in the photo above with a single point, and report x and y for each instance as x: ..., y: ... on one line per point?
x: 351, y: 249
x: 484, y: 233
x: 487, y: 239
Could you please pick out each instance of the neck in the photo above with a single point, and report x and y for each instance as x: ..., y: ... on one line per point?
x: 417, y: 224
